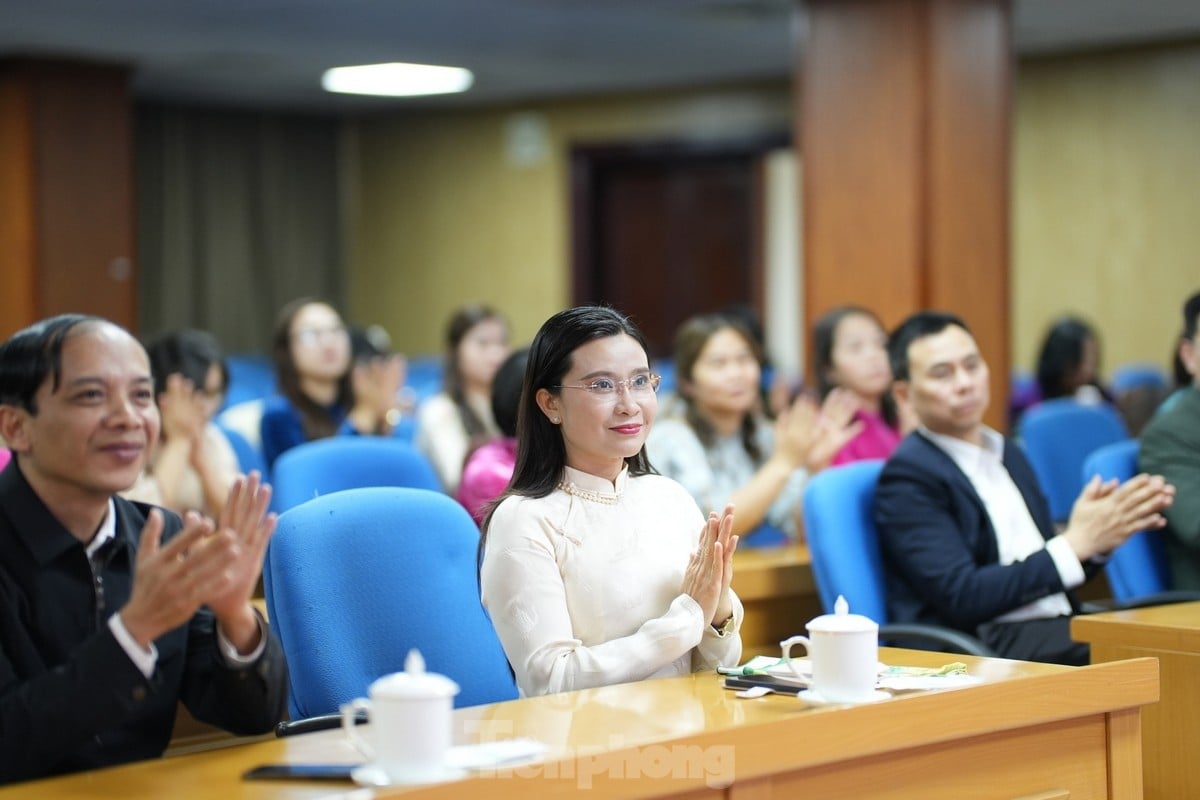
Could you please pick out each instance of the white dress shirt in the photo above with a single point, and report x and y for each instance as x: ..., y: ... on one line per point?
x: 1017, y: 535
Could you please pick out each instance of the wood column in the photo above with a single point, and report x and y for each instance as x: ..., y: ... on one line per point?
x: 904, y: 112
x: 67, y: 234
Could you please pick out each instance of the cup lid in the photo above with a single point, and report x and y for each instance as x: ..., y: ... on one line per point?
x: 841, y: 620
x: 414, y: 682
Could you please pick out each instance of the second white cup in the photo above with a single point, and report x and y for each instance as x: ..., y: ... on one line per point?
x: 844, y: 651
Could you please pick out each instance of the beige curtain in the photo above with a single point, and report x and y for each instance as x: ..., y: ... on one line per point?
x: 238, y: 213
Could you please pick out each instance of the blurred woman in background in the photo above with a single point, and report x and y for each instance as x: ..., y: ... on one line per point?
x: 451, y: 423
x: 313, y: 362
x: 723, y: 448
x: 194, y: 464
x: 850, y: 352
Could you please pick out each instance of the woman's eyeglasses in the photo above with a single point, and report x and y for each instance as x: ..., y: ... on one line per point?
x: 311, y: 336
x: 638, y: 386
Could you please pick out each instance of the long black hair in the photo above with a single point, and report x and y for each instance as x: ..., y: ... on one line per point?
x: 1061, y: 356
x: 541, y: 454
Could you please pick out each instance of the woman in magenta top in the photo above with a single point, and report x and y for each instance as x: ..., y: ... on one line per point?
x: 490, y: 466
x: 850, y: 351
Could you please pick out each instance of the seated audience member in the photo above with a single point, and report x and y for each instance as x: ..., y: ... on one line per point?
x: 1171, y: 445
x: 490, y: 467
x: 594, y: 569
x: 452, y: 422
x: 376, y: 380
x: 965, y: 531
x: 311, y: 349
x: 723, y: 449
x: 850, y: 351
x: 1069, y: 361
x: 194, y: 464
x: 114, y: 611
x: 778, y: 389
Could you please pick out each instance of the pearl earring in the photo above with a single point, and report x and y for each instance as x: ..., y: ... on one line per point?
x: 555, y: 420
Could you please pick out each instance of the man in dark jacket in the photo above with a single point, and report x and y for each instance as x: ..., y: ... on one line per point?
x: 110, y: 611
x: 965, y: 530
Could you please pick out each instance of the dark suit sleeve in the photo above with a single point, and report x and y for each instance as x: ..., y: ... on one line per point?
x: 46, y: 719
x: 243, y: 699
x: 931, y: 536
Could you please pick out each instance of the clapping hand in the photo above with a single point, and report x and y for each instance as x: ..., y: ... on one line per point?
x: 203, y: 565
x: 1106, y: 514
x: 709, y: 571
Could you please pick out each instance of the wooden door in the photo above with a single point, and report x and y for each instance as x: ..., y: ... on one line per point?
x: 667, y: 231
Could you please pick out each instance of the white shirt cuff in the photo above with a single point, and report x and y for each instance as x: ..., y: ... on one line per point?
x: 231, y: 654
x: 1070, y: 571
x: 144, y: 660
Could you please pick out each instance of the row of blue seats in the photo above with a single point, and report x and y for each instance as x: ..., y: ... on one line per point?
x: 252, y: 377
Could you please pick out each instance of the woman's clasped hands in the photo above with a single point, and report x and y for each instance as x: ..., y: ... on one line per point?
x: 709, y: 571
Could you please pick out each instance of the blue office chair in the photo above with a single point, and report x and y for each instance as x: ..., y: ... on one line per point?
x: 355, y: 579
x: 1138, y: 571
x: 1058, y: 435
x: 249, y: 458
x: 764, y: 537
x: 1138, y: 375
x: 330, y: 465
x: 251, y: 377
x: 840, y: 528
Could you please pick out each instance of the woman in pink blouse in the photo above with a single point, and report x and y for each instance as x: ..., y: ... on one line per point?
x: 490, y: 467
x: 850, y: 351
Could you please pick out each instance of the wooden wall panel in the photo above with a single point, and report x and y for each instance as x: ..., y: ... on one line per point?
x: 969, y: 114
x: 18, y: 298
x: 860, y: 136
x: 904, y: 109
x: 68, y: 140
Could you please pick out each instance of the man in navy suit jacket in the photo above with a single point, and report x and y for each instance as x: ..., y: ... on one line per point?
x: 965, y: 530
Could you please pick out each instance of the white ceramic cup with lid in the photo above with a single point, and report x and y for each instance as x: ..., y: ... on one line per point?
x: 410, y: 717
x: 844, y: 651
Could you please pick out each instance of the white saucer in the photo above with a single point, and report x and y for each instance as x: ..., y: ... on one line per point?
x: 813, y: 699
x: 371, y: 775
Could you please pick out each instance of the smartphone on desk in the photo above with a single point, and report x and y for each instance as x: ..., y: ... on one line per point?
x: 773, y: 682
x: 300, y: 772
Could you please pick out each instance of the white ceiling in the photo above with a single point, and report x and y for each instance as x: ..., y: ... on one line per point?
x: 271, y: 53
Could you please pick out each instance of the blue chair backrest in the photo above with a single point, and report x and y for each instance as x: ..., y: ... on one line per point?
x: 1139, y: 567
x: 840, y: 529
x: 357, y: 578
x: 1138, y: 375
x: 249, y: 458
x: 251, y: 377
x: 1057, y: 436
x: 331, y: 465
x: 764, y: 536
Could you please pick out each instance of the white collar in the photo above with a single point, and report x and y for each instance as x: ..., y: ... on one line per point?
x: 106, y: 531
x: 965, y: 454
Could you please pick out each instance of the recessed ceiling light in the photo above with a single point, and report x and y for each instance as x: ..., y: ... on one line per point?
x: 397, y: 79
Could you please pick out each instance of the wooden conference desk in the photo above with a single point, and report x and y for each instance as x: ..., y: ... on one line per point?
x: 1029, y: 731
x: 1171, y: 727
